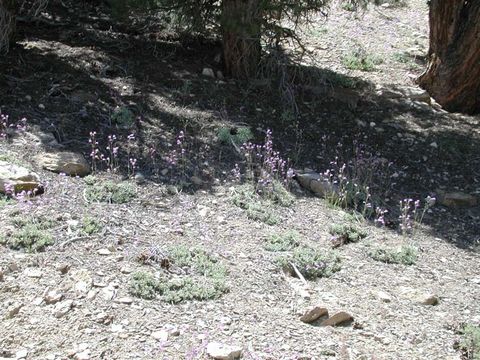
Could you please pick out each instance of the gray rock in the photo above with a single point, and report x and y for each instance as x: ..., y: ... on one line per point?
x: 62, y: 308
x: 220, y: 351
x: 316, y: 183
x: 208, y: 72
x: 17, y: 178
x: 53, y: 297
x: 456, y: 199
x: 69, y: 163
x: 13, y: 310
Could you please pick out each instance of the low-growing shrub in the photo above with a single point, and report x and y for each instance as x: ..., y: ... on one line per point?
x: 30, y: 238
x: 311, y: 263
x: 199, y: 277
x: 470, y: 343
x: 405, y: 255
x: 110, y: 192
x: 346, y: 233
x: 257, y: 208
x: 143, y: 285
x: 282, y: 242
x: 237, y: 136
x: 360, y: 59
x: 91, y: 226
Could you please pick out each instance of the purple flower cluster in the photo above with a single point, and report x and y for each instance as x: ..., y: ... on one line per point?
x: 272, y: 166
x: 177, y: 154
x: 20, y: 125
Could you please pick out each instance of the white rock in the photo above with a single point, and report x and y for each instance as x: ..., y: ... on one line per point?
x: 104, y: 252
x: 21, y: 354
x: 220, y: 351
x: 62, y: 308
x: 33, y: 273
x: 17, y: 177
x: 161, y: 335
x: 53, y: 297
x: 383, y: 296
x: 124, y: 300
x: 208, y: 72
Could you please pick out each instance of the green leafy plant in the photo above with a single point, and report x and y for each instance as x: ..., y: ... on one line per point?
x: 360, y: 59
x: 91, y: 226
x: 256, y: 208
x: 123, y: 117
x: 405, y: 255
x: 237, y: 136
x: 346, y: 233
x: 143, y: 285
x: 202, y: 278
x: 311, y: 263
x: 29, y: 237
x: 470, y: 343
x: 283, y: 242
x: 110, y: 192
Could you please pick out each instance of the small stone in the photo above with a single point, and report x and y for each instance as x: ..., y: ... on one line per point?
x: 316, y: 314
x: 53, y: 297
x: 62, y: 308
x: 164, y: 172
x: 220, y: 351
x: 339, y: 319
x: 383, y: 296
x: 33, y: 273
x: 41, y: 106
x: 13, y: 310
x: 431, y: 300
x: 1, y: 276
x: 28, y: 98
x: 160, y: 335
x: 104, y: 252
x: 116, y: 328
x: 208, y: 72
x: 124, y: 300
x: 84, y: 355
x: 434, y: 145
x: 21, y: 354
x: 63, y: 268
x: 139, y: 178
x: 220, y: 75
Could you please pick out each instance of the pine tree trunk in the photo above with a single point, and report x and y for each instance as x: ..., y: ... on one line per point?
x: 452, y: 77
x: 241, y: 28
x: 7, y: 24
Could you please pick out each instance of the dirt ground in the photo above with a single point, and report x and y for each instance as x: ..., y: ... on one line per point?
x: 68, y: 75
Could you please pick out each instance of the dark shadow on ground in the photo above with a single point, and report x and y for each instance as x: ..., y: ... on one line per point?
x: 81, y: 72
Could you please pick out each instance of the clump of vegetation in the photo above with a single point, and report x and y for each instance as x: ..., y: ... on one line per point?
x: 31, y: 233
x: 360, y: 59
x: 311, y: 263
x: 346, y: 233
x: 203, y: 278
x: 30, y: 237
x: 4, y: 200
x: 470, y: 343
x: 237, y: 136
x: 110, y: 192
x: 123, y: 117
x: 405, y: 255
x: 257, y: 208
x: 143, y: 285
x: 283, y: 242
x: 91, y: 226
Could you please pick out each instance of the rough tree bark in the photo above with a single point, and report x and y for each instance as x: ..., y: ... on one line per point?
x: 7, y: 24
x: 452, y: 77
x: 241, y: 30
